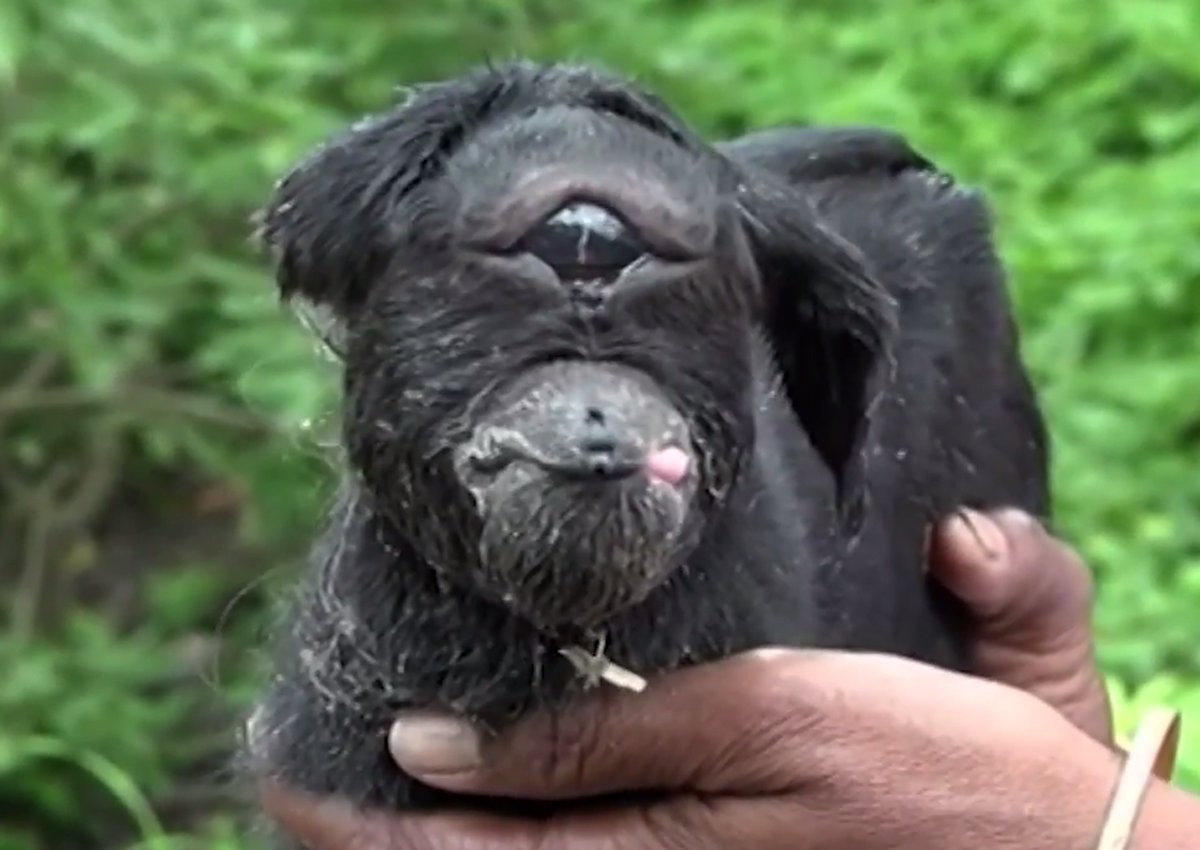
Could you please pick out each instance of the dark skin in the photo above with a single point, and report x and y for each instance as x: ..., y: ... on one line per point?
x: 814, y: 749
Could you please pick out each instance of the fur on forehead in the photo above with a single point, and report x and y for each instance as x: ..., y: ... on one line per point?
x: 327, y: 225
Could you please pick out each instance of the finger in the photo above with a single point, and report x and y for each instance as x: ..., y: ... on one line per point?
x: 968, y: 553
x: 327, y: 823
x: 322, y: 823
x: 330, y: 823
x: 1010, y: 573
x: 1053, y: 589
x: 710, y: 728
x: 1031, y: 596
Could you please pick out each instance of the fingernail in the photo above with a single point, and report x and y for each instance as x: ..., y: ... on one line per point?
x: 1020, y: 519
x: 981, y: 533
x: 433, y: 745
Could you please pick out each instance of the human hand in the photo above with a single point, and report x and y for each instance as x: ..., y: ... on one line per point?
x: 772, y: 749
x: 1030, y: 598
x: 800, y: 749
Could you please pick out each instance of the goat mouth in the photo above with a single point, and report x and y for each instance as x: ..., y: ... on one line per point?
x: 495, y: 450
x: 597, y: 430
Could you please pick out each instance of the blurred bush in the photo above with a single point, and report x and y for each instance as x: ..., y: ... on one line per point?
x: 149, y: 380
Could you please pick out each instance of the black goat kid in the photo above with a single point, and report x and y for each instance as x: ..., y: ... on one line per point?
x: 608, y: 384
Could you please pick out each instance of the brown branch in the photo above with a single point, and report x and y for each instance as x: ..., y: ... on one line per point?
x: 35, y: 558
x: 137, y: 400
x: 36, y: 372
x: 96, y: 481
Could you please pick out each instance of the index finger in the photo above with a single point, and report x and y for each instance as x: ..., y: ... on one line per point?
x: 331, y: 823
x: 719, y: 727
x: 324, y: 823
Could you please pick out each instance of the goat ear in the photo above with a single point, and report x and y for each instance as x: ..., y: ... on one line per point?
x: 831, y: 325
x: 324, y: 225
x: 329, y: 225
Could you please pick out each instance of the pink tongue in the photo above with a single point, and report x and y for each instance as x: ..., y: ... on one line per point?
x: 669, y: 465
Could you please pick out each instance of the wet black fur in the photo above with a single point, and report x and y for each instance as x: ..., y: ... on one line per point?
x: 856, y: 377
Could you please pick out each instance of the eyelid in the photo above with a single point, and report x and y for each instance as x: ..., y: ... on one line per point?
x: 669, y: 225
x: 520, y: 264
x: 649, y: 272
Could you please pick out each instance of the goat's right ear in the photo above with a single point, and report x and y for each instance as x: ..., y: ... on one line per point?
x: 331, y: 223
x: 323, y: 226
x: 832, y: 325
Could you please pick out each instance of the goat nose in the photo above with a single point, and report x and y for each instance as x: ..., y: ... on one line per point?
x: 604, y: 453
x: 583, y: 241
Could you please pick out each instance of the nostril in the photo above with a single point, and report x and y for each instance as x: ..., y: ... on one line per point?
x: 599, y: 444
x: 603, y: 451
x: 597, y: 437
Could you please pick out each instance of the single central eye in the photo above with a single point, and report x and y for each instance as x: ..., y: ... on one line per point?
x: 583, y: 241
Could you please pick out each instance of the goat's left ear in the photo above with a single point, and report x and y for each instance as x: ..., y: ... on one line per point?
x: 332, y: 219
x: 831, y: 324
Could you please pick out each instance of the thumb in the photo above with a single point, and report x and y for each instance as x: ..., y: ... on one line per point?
x: 1017, y: 580
x: 1030, y: 596
x: 709, y: 728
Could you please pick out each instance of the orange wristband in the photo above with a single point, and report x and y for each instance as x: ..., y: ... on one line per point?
x: 1151, y: 754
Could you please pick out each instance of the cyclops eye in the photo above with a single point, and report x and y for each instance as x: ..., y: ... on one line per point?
x: 584, y: 241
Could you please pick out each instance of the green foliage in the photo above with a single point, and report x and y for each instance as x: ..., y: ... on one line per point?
x: 1166, y: 689
x: 83, y: 715
x: 143, y: 344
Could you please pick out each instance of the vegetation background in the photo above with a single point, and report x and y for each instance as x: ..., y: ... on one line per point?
x: 162, y: 420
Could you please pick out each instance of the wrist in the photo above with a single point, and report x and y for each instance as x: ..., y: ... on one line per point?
x: 1169, y: 819
x: 1148, y: 763
x: 1047, y: 800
